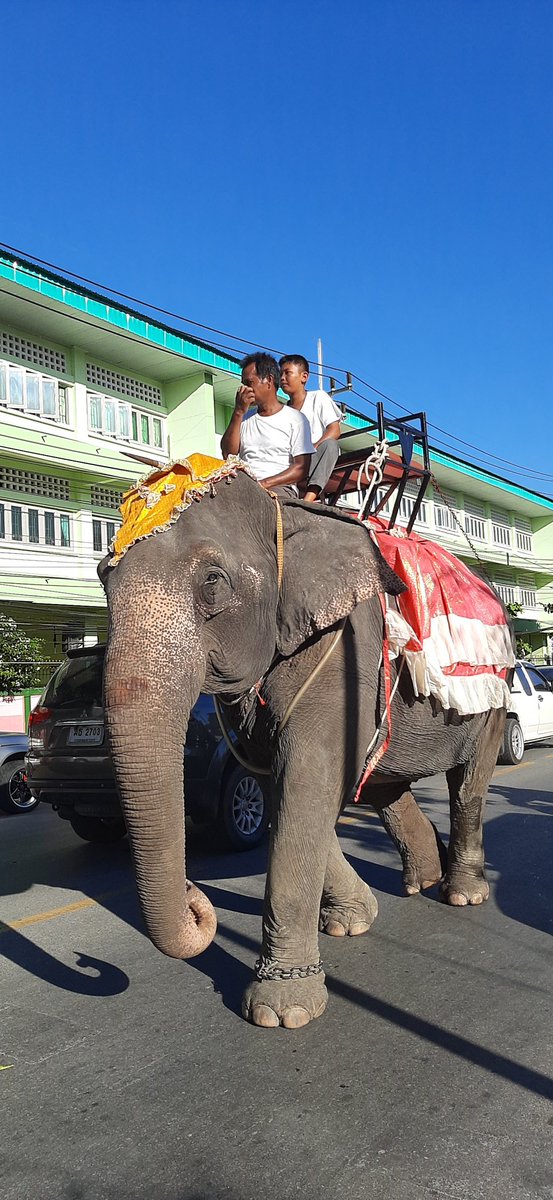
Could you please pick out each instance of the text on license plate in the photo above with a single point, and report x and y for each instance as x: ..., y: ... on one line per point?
x: 86, y: 735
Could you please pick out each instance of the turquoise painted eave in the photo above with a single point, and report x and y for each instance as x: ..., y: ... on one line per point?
x: 100, y: 308
x: 504, y: 485
x: 355, y: 421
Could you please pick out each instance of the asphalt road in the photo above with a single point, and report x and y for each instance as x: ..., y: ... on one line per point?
x: 131, y: 1076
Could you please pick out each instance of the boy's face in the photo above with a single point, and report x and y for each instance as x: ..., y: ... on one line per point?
x: 292, y: 377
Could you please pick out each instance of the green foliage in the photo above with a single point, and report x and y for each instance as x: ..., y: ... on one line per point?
x: 20, y: 658
x: 513, y: 608
x: 548, y: 608
x: 523, y: 649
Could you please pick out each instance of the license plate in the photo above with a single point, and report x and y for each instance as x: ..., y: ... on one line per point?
x: 85, y: 735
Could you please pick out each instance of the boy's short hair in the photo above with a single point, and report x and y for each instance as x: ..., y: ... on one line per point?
x: 298, y: 359
x: 265, y: 365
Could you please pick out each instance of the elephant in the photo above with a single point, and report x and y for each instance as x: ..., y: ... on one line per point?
x: 287, y: 632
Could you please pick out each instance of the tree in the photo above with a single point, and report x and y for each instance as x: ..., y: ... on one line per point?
x: 20, y: 658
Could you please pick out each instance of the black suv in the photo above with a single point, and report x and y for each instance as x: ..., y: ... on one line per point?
x: 69, y: 765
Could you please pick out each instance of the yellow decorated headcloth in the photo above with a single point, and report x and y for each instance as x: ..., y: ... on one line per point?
x: 158, y: 500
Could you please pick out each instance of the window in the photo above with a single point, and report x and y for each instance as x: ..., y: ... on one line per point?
x: 32, y: 393
x: 2, y: 522
x: 539, y: 681
x: 49, y: 529
x: 33, y: 525
x: 520, y: 678
x: 103, y: 533
x: 17, y: 524
x: 65, y: 536
x: 116, y: 419
x: 72, y: 639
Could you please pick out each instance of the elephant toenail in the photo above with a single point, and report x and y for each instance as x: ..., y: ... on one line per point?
x: 295, y: 1017
x: 264, y: 1016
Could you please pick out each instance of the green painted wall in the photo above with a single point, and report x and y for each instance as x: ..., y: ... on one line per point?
x: 191, y: 415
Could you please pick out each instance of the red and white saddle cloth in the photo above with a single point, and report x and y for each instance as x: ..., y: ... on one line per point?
x: 449, y: 624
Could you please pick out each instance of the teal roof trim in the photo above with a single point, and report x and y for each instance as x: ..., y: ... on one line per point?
x: 103, y: 309
x: 487, y: 477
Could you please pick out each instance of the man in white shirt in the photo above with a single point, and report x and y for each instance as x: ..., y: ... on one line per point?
x: 323, y: 416
x: 272, y: 439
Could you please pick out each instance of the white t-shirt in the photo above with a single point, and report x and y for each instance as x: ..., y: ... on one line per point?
x: 321, y: 410
x: 268, y: 444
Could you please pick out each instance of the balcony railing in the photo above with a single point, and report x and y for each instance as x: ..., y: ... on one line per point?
x: 475, y: 527
x: 523, y: 540
x: 501, y: 534
x: 511, y: 594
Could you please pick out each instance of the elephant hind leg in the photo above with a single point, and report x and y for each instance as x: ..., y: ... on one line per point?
x: 423, y: 854
x: 465, y: 881
x: 348, y: 907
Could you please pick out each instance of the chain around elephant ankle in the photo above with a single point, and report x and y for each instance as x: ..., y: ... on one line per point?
x: 266, y: 968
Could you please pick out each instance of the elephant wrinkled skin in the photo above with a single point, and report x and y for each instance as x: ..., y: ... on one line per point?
x: 197, y: 608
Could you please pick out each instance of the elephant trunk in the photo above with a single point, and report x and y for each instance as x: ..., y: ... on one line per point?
x: 147, y: 718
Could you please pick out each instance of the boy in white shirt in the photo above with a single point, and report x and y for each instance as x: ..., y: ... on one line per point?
x: 272, y: 439
x: 323, y: 416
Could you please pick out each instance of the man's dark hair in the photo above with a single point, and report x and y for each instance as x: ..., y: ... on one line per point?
x: 265, y: 365
x: 298, y: 359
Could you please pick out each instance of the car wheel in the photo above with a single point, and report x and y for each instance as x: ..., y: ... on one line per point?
x: 244, y: 811
x: 513, y: 742
x: 15, y: 794
x: 98, y: 829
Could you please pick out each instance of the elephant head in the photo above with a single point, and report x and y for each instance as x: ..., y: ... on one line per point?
x: 197, y: 608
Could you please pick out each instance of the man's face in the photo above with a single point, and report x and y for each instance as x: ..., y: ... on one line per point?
x: 292, y: 377
x: 261, y: 388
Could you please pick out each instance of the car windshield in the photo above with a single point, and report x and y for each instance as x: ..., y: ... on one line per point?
x: 78, y: 679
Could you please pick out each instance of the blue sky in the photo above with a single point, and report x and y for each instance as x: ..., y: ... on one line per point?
x: 377, y: 173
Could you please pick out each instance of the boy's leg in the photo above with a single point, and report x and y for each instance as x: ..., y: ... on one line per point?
x: 323, y: 462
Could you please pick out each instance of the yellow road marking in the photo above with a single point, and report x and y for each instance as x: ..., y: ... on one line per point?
x: 52, y: 913
x: 516, y: 766
x: 8, y: 1067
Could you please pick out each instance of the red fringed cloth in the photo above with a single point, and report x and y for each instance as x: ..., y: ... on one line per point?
x: 449, y: 624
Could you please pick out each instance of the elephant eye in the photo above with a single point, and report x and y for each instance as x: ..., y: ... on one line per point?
x: 216, y: 590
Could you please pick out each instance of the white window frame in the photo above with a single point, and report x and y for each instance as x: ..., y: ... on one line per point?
x: 10, y: 370
x: 125, y: 415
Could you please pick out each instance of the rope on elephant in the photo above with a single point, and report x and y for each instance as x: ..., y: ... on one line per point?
x: 288, y: 712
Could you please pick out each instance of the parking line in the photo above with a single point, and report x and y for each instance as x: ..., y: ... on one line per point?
x: 52, y: 913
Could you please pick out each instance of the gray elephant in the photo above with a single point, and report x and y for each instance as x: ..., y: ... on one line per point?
x: 200, y: 607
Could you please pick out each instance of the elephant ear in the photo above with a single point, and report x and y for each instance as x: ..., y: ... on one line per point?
x: 331, y: 564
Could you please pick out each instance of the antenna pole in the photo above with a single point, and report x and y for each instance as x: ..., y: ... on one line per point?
x: 320, y: 362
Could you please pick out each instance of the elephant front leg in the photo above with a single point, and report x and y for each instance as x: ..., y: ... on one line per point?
x: 289, y: 988
x: 348, y: 907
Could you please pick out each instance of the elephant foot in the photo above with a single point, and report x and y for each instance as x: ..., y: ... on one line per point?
x: 460, y: 889
x: 288, y: 1002
x: 348, y: 918
x: 424, y: 862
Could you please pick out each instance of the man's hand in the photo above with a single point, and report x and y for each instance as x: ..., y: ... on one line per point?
x: 244, y: 400
x: 230, y: 441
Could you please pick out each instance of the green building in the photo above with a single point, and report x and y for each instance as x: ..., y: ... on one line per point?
x: 89, y: 387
